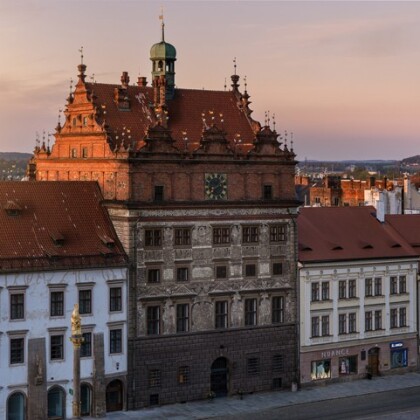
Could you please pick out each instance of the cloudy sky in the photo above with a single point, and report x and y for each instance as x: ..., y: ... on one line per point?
x: 343, y: 76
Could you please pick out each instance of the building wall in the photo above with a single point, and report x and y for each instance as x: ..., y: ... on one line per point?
x: 38, y: 372
x: 334, y: 344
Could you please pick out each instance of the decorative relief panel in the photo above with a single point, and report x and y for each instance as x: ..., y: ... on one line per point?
x: 222, y: 252
x: 153, y: 255
x: 183, y: 254
x: 250, y: 251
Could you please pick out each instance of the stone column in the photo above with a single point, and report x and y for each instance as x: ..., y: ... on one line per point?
x: 77, y: 340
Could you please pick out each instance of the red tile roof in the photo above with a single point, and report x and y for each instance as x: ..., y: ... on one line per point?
x: 408, y: 226
x: 347, y: 233
x: 55, y: 225
x: 185, y: 113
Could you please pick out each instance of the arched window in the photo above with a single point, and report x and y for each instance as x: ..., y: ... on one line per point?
x: 16, y: 409
x: 56, y: 403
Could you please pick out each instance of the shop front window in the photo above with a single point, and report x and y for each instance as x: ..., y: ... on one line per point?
x: 321, y: 369
x: 399, y: 358
x: 347, y: 365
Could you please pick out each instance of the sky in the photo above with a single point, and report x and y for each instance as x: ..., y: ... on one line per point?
x: 343, y: 76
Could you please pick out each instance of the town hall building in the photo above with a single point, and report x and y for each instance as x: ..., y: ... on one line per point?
x: 203, y: 200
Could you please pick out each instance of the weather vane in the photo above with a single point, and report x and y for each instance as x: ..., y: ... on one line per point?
x: 234, y: 64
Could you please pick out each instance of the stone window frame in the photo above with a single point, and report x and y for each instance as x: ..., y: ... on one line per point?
x: 154, y: 377
x: 221, y: 315
x: 17, y: 335
x: 267, y: 192
x: 253, y: 365
x: 278, y: 312
x: 158, y: 193
x: 57, y: 332
x: 182, y: 237
x: 15, y: 291
x: 221, y: 266
x: 183, y: 319
x: 116, y: 284
x: 73, y: 152
x: 247, y: 271
x: 325, y: 291
x: 57, y: 288
x: 113, y: 327
x: 85, y: 152
x: 184, y: 375
x: 153, y: 238
x: 378, y: 286
x: 84, y: 287
x: 88, y: 329
x: 157, y: 321
x: 315, y: 291
x: 275, y: 264
x: 186, y: 268
x: 368, y: 287
x: 278, y: 233
x: 251, y: 311
x: 151, y: 270
x: 250, y: 234
x: 221, y: 235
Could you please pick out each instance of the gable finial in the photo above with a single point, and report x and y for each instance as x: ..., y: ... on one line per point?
x: 225, y: 84
x: 81, y: 54
x: 274, y: 121
x: 163, y: 23
x: 245, y: 83
x: 234, y: 66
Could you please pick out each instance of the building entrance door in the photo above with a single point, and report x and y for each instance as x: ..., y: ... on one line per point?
x: 114, y: 396
x: 373, y: 361
x: 219, y: 377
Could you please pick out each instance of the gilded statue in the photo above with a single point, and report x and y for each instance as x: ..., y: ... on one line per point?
x: 76, y: 324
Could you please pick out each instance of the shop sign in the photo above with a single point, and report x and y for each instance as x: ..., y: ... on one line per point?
x: 335, y: 352
x: 397, y: 345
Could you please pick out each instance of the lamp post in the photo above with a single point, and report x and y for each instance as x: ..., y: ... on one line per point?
x: 77, y: 340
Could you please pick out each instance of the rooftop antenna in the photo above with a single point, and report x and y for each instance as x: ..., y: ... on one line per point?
x: 163, y: 23
x: 81, y: 55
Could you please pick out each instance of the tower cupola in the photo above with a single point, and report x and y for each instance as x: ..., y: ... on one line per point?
x: 163, y: 57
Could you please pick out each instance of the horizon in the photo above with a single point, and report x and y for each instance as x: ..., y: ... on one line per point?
x: 339, y: 75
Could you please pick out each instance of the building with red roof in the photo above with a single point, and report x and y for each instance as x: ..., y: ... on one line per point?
x: 202, y: 197
x: 58, y: 247
x: 358, y: 293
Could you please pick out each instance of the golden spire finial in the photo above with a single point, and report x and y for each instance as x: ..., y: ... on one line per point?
x: 163, y: 23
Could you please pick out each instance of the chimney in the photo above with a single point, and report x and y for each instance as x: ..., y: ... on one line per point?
x: 142, y: 81
x: 125, y: 80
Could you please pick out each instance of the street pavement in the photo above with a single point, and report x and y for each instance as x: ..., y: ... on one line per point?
x: 220, y: 407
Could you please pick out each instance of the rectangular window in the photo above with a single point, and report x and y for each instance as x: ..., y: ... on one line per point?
x: 115, y: 299
x: 278, y: 363
x: 315, y: 292
x: 182, y: 237
x: 368, y: 321
x: 85, y: 301
x: 221, y: 236
x: 153, y: 320
x: 153, y: 275
x: 325, y: 290
x: 315, y: 326
x: 74, y: 152
x: 393, y: 285
x: 342, y: 324
x: 182, y: 317
x: 277, y: 309
x: 368, y: 287
x: 342, y: 286
x: 378, y: 286
x: 154, y: 378
x: 394, y: 318
x: 325, y: 325
x: 250, y: 312
x: 347, y: 365
x: 57, y: 303
x: 86, y: 347
x: 268, y: 192
x: 403, y: 284
x: 321, y: 369
x: 17, y: 306
x: 250, y: 270
x: 182, y: 274
x: 403, y: 317
x: 158, y: 193
x: 17, y: 351
x: 115, y: 341
x: 152, y: 238
x: 352, y: 323
x: 352, y: 288
x: 84, y: 152
x: 221, y: 314
x: 278, y: 233
x: 253, y: 366
x: 277, y: 269
x: 183, y: 375
x: 378, y: 320
x: 250, y: 234
x: 221, y: 272
x: 57, y: 347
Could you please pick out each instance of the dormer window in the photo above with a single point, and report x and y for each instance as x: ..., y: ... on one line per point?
x: 85, y: 121
x: 57, y: 238
x: 12, y: 208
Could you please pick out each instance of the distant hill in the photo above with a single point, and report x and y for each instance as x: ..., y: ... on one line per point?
x: 413, y: 160
x: 13, y: 165
x: 15, y: 156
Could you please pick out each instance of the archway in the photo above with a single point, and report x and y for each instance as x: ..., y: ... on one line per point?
x: 114, y: 396
x: 219, y: 377
x: 373, y: 361
x: 85, y: 399
x: 56, y: 403
x: 16, y: 407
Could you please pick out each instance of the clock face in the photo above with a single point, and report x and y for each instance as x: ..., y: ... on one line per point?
x: 216, y: 186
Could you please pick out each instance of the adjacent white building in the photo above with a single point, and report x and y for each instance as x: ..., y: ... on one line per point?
x: 58, y: 248
x: 358, y: 288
